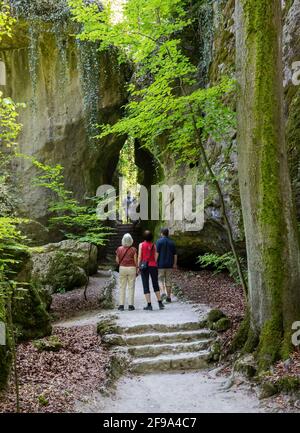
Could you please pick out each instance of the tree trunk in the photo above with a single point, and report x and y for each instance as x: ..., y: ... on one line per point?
x: 269, y: 217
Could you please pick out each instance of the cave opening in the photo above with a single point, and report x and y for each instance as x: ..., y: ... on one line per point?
x: 134, y: 170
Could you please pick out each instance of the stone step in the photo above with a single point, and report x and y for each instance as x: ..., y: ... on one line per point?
x: 166, y: 337
x: 162, y: 327
x: 183, y: 361
x: 174, y: 348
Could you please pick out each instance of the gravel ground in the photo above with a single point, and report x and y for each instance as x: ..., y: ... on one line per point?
x: 190, y: 392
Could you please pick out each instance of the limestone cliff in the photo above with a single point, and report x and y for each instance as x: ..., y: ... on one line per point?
x: 68, y: 87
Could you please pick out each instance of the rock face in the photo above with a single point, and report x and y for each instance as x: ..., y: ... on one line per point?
x: 291, y: 55
x: 220, y: 30
x: 213, y: 238
x: 68, y: 87
x: 64, y: 265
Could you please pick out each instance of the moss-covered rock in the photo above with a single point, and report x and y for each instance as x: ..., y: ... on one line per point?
x: 110, y: 340
x: 107, y: 325
x: 51, y: 344
x: 222, y: 324
x: 215, y: 315
x: 64, y: 265
x: 246, y: 365
x: 215, y: 351
x: 31, y: 304
x: 267, y: 389
x: 30, y: 314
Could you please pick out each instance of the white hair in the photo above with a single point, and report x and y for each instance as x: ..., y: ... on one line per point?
x: 127, y: 240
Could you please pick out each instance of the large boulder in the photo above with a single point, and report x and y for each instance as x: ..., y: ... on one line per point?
x: 30, y: 305
x: 64, y: 265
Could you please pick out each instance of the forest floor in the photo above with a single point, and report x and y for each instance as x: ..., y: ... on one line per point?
x: 56, y: 381
x: 52, y: 381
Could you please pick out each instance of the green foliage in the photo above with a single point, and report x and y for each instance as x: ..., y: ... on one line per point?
x: 168, y: 102
x: 42, y: 400
x: 6, y: 21
x: 126, y: 166
x: 74, y: 220
x: 11, y: 239
x: 221, y: 263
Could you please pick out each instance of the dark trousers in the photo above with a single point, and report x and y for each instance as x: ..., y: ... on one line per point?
x: 146, y: 273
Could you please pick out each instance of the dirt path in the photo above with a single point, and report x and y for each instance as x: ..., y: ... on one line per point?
x: 198, y: 392
x: 184, y: 391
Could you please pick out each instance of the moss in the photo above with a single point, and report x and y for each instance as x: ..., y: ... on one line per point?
x: 251, y: 342
x: 215, y: 352
x: 263, y: 50
x: 64, y: 274
x: 30, y: 314
x: 293, y: 136
x: 246, y: 339
x: 270, y: 344
x: 51, y: 344
x: 241, y: 336
x: 247, y: 366
x: 268, y: 389
x: 108, y: 326
x: 42, y: 400
x: 215, y: 315
x: 288, y: 384
x: 224, y: 44
x: 222, y: 324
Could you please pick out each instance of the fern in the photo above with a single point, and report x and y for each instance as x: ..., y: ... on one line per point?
x: 225, y: 262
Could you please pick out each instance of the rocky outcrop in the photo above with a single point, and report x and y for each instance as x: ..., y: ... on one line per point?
x: 291, y: 55
x: 68, y: 87
x: 62, y: 266
x: 213, y: 237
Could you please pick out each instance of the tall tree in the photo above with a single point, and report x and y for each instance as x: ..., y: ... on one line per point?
x: 270, y: 223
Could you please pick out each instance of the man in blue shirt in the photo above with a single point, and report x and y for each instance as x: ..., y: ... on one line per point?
x: 166, y: 257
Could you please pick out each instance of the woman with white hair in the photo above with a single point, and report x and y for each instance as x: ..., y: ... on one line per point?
x: 126, y: 258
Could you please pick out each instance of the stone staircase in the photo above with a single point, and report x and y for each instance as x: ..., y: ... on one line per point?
x: 116, y: 239
x: 162, y: 348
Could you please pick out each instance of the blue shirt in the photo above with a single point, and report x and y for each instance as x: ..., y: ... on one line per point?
x: 167, y: 250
